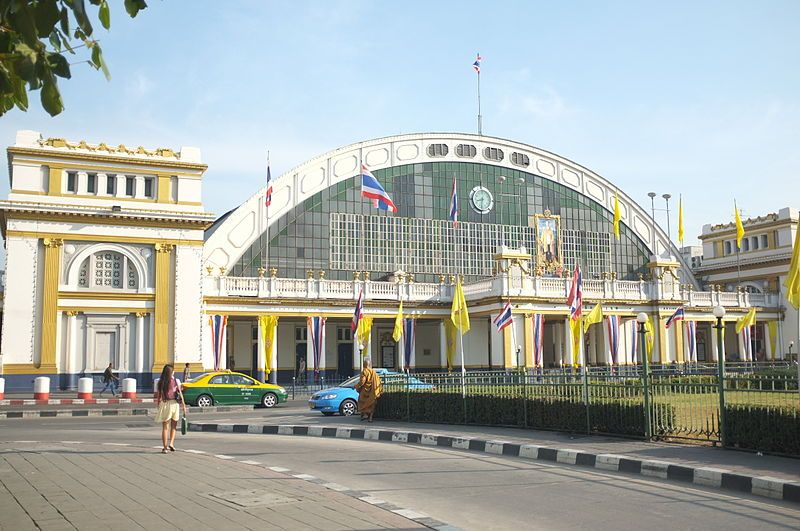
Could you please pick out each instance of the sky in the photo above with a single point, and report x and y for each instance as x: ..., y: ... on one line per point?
x: 693, y: 98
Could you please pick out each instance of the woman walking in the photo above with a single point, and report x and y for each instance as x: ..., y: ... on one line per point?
x: 369, y: 389
x: 167, y: 395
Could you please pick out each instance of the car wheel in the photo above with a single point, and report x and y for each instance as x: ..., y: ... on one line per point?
x: 205, y: 401
x: 327, y: 413
x: 348, y: 407
x: 269, y: 400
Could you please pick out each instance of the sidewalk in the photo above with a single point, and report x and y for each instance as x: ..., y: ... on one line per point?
x: 99, y: 486
x: 772, y: 476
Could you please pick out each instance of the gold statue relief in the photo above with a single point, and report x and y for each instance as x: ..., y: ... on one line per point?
x: 548, y: 242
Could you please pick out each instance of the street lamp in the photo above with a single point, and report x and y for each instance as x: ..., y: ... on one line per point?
x: 719, y: 313
x: 669, y: 229
x: 652, y: 196
x: 641, y: 318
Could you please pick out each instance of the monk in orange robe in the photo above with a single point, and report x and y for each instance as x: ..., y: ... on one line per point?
x: 369, y: 389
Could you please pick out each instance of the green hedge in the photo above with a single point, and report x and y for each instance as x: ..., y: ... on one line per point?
x: 620, y: 417
x: 765, y: 429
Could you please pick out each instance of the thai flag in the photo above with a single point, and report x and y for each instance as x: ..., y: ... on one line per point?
x: 371, y: 188
x: 747, y: 341
x: 477, y: 64
x: 612, y: 323
x: 219, y: 325
x: 575, y: 299
x: 538, y: 339
x: 504, y: 318
x: 691, y: 339
x: 359, y: 312
x: 409, y: 333
x: 454, y: 205
x: 316, y: 328
x: 268, y: 195
x: 679, y: 315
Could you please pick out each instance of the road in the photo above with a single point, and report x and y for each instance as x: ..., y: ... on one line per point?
x: 464, y: 489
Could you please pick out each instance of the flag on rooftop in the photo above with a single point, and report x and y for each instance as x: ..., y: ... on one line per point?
x: 739, y: 226
x: 268, y: 194
x: 617, y: 215
x: 680, y: 219
x: 372, y: 189
x: 477, y: 64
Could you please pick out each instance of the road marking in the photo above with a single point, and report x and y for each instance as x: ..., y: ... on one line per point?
x: 372, y: 500
x: 336, y: 487
x: 195, y: 451
x: 248, y: 462
x: 116, y: 444
x: 223, y: 456
x: 278, y: 469
x: 307, y: 477
x: 74, y: 442
x: 408, y: 513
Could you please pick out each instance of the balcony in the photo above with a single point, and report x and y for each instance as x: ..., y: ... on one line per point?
x: 502, y: 286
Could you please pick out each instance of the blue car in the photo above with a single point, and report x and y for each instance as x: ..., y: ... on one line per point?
x: 344, y: 398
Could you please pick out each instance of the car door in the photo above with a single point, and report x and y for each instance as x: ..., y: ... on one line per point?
x: 222, y: 388
x: 246, y: 388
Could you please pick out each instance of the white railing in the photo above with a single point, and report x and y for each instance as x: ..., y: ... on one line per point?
x: 640, y: 292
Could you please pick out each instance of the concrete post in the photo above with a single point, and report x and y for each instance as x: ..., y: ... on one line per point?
x: 2, y: 388
x: 85, y: 386
x: 129, y: 388
x: 41, y: 388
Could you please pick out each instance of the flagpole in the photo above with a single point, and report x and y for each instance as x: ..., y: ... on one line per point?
x: 266, y: 208
x: 738, y: 265
x: 480, y: 118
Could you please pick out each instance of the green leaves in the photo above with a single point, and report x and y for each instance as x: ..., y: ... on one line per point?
x: 34, y: 35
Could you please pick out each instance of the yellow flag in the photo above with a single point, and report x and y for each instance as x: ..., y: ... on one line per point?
x: 617, y: 215
x: 595, y: 316
x: 398, y: 324
x: 792, y: 282
x: 749, y: 319
x: 575, y: 326
x: 459, y: 314
x: 739, y: 226
x: 362, y: 333
x: 680, y: 220
x: 450, y: 335
x: 268, y: 326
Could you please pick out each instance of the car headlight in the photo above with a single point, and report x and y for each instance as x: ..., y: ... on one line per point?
x: 281, y: 390
x: 329, y: 397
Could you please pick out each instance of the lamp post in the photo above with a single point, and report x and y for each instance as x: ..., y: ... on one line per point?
x: 719, y: 313
x: 669, y: 228
x: 641, y: 318
x: 652, y: 196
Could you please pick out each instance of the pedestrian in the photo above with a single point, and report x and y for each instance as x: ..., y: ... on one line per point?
x: 301, y: 372
x: 369, y: 389
x: 169, y: 400
x: 110, y: 381
x: 187, y: 374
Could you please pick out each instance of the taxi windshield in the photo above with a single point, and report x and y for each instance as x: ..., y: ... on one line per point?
x: 197, y: 378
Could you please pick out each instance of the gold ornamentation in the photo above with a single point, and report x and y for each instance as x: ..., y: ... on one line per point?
x: 261, y: 272
x: 222, y: 270
x: 52, y: 242
x: 142, y: 314
x: 72, y: 313
x: 210, y: 270
x: 102, y: 146
x: 366, y: 275
x: 356, y: 275
x: 310, y: 274
x: 165, y: 248
x: 273, y: 272
x: 452, y: 280
x: 441, y: 279
x: 548, y: 241
x: 322, y: 274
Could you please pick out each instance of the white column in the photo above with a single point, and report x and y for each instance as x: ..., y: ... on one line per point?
x: 150, y: 346
x: 273, y: 376
x: 442, y: 345
x: 72, y: 338
x: 558, y: 338
x: 767, y: 341
x: 260, y: 358
x: 139, y: 363
x: 567, y: 352
x: 606, y: 353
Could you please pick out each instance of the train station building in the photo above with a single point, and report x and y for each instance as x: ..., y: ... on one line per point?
x: 111, y: 257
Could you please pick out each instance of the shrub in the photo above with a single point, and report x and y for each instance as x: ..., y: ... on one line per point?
x: 761, y: 428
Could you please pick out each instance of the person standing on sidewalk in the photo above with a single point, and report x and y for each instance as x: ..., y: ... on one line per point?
x: 369, y: 389
x: 110, y: 381
x: 187, y: 374
x: 169, y: 400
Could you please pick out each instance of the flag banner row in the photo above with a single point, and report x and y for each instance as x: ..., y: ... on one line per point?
x: 409, y: 339
x: 316, y: 331
x: 268, y: 328
x: 219, y: 327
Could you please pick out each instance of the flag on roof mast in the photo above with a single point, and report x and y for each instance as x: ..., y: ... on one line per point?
x: 268, y: 195
x: 680, y: 219
x: 739, y: 226
x: 372, y: 189
x: 617, y: 215
x: 477, y: 64
x: 454, y: 205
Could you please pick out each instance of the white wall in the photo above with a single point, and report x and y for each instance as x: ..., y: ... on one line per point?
x: 20, y: 300
x: 427, y: 339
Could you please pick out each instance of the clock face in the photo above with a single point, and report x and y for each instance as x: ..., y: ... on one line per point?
x: 481, y: 199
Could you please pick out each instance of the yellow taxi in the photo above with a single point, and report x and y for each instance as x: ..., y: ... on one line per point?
x: 226, y: 387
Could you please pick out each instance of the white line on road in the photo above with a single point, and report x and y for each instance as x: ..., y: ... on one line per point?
x: 223, y: 456
x: 278, y: 469
x: 248, y: 462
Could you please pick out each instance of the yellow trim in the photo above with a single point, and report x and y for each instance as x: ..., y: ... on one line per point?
x: 508, y: 348
x: 91, y: 218
x: 52, y: 266
x: 55, y: 174
x: 33, y: 152
x: 162, y: 313
x: 103, y: 309
x: 163, y: 189
x: 662, y: 338
x: 106, y: 296
x: 100, y: 239
x: 29, y: 192
x: 679, y: 348
x: 528, y: 332
x: 27, y: 368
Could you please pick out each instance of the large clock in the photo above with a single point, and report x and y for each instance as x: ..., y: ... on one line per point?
x: 481, y: 200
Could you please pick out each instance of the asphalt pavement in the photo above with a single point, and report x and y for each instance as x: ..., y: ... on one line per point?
x: 471, y: 491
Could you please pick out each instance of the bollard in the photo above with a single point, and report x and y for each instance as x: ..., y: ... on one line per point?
x: 85, y: 386
x: 129, y: 388
x: 2, y: 388
x: 41, y: 388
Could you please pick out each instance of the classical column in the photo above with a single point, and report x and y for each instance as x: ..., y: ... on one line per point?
x: 72, y: 336
x: 527, y: 332
x: 260, y: 356
x: 139, y: 363
x: 50, y: 313
x: 509, y: 349
x: 558, y: 337
x: 442, y: 344
x: 679, y: 341
x: 568, y: 346
x: 162, y: 305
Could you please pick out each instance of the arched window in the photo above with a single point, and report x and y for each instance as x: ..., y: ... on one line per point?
x: 107, y: 270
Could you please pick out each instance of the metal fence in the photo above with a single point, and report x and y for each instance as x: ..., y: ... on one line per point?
x: 665, y: 405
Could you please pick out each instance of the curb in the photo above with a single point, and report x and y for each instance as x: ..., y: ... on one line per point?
x: 72, y: 401
x: 42, y: 413
x: 765, y: 486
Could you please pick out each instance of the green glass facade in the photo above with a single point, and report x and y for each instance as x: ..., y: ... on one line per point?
x: 300, y: 240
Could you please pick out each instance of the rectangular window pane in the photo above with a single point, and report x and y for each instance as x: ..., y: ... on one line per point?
x: 91, y: 183
x: 72, y: 182
x: 111, y: 184
x: 148, y: 187
x: 130, y: 184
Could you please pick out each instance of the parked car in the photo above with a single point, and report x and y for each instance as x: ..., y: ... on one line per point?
x: 343, y: 399
x: 226, y: 387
